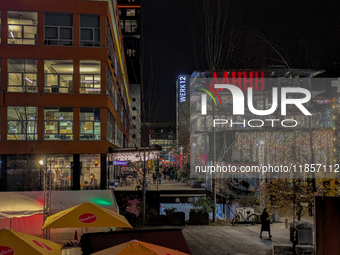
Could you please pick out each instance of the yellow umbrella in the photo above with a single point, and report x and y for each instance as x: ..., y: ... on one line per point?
x: 16, y: 243
x: 140, y: 248
x: 86, y: 215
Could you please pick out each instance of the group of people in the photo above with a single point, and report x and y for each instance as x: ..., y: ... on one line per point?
x: 165, y: 171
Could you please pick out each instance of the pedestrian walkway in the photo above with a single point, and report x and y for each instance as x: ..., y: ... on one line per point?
x: 240, y: 239
x: 165, y: 185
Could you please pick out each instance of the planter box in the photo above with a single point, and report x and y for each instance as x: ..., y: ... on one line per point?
x: 176, y: 218
x: 198, y: 219
x: 158, y: 220
x: 304, y: 236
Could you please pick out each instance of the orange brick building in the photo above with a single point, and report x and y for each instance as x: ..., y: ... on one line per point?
x: 64, y: 99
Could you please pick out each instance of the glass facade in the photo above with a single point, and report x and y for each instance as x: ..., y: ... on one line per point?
x: 90, y: 76
x: 58, y: 123
x: 90, y: 171
x: 22, y: 75
x: 22, y: 27
x: 22, y: 123
x: 89, y: 124
x: 58, y: 29
x: 58, y: 76
x: 90, y: 30
x: 110, y: 128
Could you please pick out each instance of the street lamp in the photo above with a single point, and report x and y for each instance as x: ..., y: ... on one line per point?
x: 47, y: 195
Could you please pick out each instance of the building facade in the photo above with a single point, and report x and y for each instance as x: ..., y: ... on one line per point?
x: 247, y: 141
x: 164, y: 135
x: 129, y: 15
x: 64, y: 93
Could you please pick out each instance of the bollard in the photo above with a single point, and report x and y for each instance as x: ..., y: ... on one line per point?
x: 286, y: 222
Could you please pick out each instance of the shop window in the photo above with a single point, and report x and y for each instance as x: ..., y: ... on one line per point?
x: 89, y: 124
x: 90, y: 77
x: 90, y: 171
x: 58, y: 123
x: 22, y: 27
x: 22, y: 123
x: 58, y: 76
x: 90, y: 30
x: 130, y: 12
x: 22, y: 75
x: 58, y: 29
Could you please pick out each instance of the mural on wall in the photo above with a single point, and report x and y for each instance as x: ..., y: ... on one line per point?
x: 130, y: 205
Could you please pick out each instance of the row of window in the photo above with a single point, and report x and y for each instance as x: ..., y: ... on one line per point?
x: 129, y: 26
x: 58, y: 123
x: 58, y: 28
x: 58, y: 76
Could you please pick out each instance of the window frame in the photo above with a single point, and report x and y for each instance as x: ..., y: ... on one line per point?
x: 22, y: 74
x: 60, y: 136
x: 59, y: 40
x: 93, y: 42
x: 91, y: 136
x: 69, y: 88
x: 24, y: 123
x: 22, y: 38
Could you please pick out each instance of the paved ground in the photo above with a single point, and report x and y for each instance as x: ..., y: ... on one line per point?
x: 233, y: 240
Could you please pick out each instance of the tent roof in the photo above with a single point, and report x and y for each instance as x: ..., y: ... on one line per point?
x: 22, y: 204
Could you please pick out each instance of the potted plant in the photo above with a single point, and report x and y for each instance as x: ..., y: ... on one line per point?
x: 175, y: 218
x: 153, y: 219
x: 200, y: 214
x: 304, y: 233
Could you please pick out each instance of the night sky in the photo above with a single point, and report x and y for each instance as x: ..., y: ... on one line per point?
x: 306, y: 33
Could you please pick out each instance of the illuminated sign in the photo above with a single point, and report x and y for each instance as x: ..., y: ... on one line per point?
x: 243, y: 80
x: 120, y: 163
x: 182, y: 89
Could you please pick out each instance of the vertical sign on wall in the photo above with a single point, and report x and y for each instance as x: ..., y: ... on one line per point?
x: 182, y: 88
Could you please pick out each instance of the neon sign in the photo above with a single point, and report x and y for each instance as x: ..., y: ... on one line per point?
x: 181, y: 88
x: 243, y: 80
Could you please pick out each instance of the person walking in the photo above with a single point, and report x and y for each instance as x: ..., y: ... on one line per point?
x: 171, y: 176
x: 159, y: 175
x: 265, y: 223
x: 164, y: 172
x: 175, y: 176
x: 154, y: 177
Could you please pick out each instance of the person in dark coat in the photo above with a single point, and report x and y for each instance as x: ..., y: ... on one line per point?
x: 265, y: 223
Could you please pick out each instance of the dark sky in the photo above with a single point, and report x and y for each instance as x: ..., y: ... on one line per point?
x: 306, y: 33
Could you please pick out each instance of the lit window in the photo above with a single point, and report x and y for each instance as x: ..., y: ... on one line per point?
x: 22, y: 123
x: 58, y: 123
x: 130, y: 26
x: 58, y: 29
x: 22, y: 75
x: 130, y: 12
x: 58, y: 76
x: 90, y: 77
x: 89, y: 123
x: 131, y: 52
x: 90, y: 30
x: 22, y: 27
